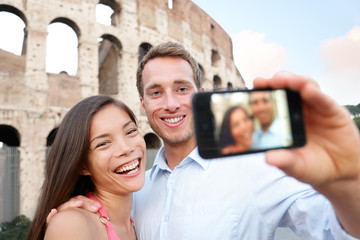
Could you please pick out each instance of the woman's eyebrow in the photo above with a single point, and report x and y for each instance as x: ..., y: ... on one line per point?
x: 100, y: 136
x: 128, y: 123
x: 106, y: 134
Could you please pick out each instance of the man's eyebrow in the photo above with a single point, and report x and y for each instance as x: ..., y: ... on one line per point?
x: 151, y: 86
x: 179, y: 82
x: 106, y: 134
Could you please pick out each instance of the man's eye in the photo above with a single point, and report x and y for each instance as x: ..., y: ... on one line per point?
x: 183, y: 89
x: 155, y: 94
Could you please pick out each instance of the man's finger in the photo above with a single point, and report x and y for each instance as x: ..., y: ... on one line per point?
x: 288, y: 161
x: 80, y: 202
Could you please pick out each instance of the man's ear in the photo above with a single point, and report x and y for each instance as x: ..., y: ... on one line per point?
x: 84, y: 171
x: 142, y: 104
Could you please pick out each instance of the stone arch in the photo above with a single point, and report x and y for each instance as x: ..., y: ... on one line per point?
x: 68, y: 22
x: 170, y: 4
x: 50, y: 140
x: 51, y: 137
x: 116, y: 9
x: 215, y: 58
x: 153, y: 143
x: 217, y: 82
x: 62, y: 59
x: 202, y: 71
x: 20, y: 44
x: 109, y: 54
x: 143, y: 49
x: 9, y: 136
x: 229, y: 85
x: 9, y: 173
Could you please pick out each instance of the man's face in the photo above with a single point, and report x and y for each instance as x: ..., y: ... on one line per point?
x: 168, y: 89
x: 262, y: 107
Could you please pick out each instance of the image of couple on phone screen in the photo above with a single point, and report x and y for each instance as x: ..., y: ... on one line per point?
x: 251, y: 121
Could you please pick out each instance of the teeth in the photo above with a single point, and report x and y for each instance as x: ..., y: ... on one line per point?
x: 133, y: 167
x: 173, y: 120
x: 132, y: 171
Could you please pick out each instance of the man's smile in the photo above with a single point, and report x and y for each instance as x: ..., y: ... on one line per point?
x: 173, y: 120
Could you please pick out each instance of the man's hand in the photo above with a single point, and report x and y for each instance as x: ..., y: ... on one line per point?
x: 75, y: 202
x: 330, y: 161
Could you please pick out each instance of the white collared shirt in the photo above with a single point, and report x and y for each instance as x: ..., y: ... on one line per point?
x: 273, y: 137
x: 228, y: 198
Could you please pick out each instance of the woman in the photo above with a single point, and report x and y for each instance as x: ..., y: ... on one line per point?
x: 236, y: 131
x: 99, y: 152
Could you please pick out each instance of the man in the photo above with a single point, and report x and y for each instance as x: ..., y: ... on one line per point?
x: 187, y: 197
x: 269, y: 134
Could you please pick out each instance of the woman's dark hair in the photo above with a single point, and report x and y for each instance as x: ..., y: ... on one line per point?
x: 225, y: 137
x: 66, y: 158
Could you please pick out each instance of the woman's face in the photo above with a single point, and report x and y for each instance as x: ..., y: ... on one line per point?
x: 241, y: 128
x: 116, y: 159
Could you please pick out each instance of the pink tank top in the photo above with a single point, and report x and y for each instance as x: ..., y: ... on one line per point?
x: 105, y: 220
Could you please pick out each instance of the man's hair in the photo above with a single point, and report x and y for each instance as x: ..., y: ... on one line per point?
x: 171, y: 49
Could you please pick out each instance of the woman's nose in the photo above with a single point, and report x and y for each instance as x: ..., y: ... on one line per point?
x: 123, y: 148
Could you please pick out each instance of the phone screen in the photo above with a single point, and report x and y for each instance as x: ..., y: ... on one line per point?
x: 247, y: 121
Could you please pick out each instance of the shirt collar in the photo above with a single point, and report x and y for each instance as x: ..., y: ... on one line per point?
x: 273, y: 127
x: 160, y: 163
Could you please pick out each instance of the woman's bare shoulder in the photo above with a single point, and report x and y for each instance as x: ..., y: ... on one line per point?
x: 74, y: 223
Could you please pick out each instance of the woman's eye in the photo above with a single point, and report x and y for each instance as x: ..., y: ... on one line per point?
x: 101, y: 144
x: 131, y: 131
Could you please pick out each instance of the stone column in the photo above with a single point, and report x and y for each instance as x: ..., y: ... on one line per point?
x: 35, y: 75
x: 88, y: 67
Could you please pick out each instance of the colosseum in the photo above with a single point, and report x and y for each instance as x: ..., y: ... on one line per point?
x: 33, y: 101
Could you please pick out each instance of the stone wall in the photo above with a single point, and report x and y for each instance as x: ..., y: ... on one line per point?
x: 34, y: 102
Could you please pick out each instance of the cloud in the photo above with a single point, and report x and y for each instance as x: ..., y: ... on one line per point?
x: 254, y: 57
x: 340, y: 76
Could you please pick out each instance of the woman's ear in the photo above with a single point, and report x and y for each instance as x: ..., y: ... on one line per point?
x: 84, y: 171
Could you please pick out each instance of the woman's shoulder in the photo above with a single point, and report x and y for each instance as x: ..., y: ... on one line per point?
x: 74, y: 223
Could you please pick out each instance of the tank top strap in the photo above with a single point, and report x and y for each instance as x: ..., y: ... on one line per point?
x: 105, y: 220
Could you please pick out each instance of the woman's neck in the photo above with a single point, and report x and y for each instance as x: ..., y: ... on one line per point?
x: 117, y: 207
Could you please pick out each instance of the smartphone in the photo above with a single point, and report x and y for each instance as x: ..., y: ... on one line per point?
x: 237, y: 122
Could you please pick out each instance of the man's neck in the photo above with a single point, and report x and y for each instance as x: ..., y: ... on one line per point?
x: 266, y: 126
x: 175, y: 153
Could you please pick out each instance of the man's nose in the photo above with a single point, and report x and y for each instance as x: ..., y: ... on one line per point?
x: 172, y: 103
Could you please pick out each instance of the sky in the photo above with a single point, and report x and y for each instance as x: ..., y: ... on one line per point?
x: 316, y: 38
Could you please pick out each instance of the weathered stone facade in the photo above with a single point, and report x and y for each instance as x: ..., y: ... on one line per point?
x: 33, y: 102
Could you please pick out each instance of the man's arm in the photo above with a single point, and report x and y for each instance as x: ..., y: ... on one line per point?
x: 330, y: 161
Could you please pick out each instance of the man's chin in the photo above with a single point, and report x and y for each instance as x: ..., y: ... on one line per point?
x: 173, y: 140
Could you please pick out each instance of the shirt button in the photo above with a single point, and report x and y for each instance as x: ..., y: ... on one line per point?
x: 172, y: 181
